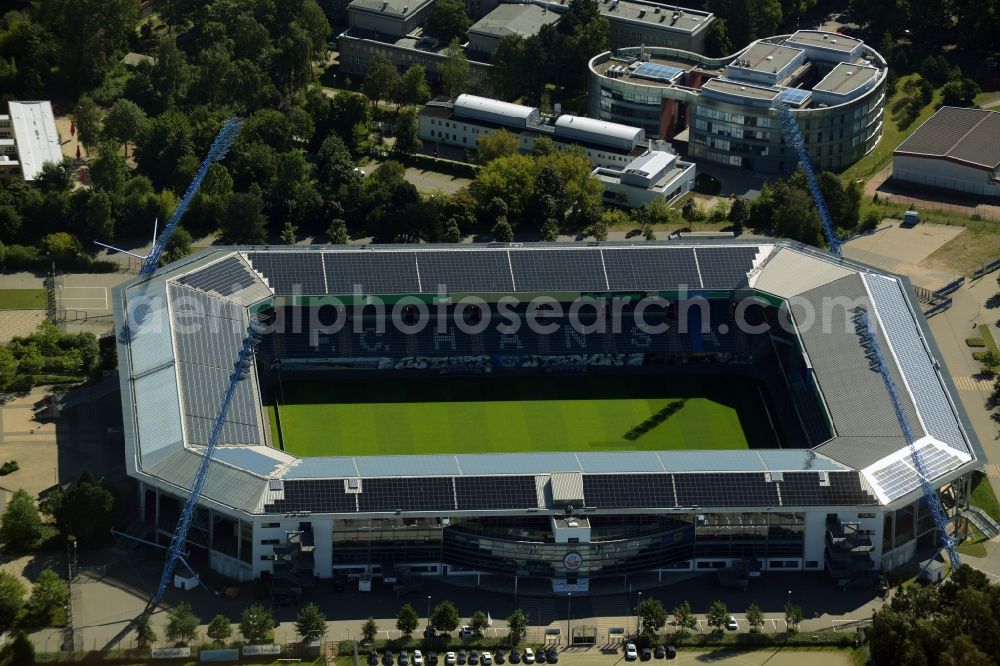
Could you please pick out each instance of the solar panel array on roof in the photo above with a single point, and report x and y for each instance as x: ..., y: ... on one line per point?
x: 655, y: 72
x: 414, y: 494
x: 738, y: 489
x: 794, y: 96
x: 650, y: 269
x: 553, y: 270
x: 465, y: 271
x: 315, y: 495
x: 496, y: 492
x: 224, y: 277
x: 371, y: 272
x: 291, y: 272
x: 725, y: 267
x: 641, y: 491
x: 844, y: 489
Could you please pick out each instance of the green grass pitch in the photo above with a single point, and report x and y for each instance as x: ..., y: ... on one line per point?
x: 447, y: 415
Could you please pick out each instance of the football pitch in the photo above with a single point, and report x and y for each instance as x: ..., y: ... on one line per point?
x: 448, y: 415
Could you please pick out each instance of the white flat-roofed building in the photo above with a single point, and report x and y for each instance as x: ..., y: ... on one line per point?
x: 827, y: 46
x: 845, y: 82
x: 521, y: 20
x: 28, y: 139
x: 655, y: 175
x: 496, y: 111
x: 766, y: 63
x: 591, y: 130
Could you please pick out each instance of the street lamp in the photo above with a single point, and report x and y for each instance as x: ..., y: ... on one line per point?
x: 789, y: 598
x: 428, y: 611
x: 637, y: 613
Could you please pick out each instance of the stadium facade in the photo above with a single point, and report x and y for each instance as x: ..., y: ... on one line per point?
x: 839, y: 494
x: 725, y: 107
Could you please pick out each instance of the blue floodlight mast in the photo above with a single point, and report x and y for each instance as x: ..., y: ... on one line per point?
x: 793, y: 136
x: 223, y: 142
x: 873, y: 352
x: 242, y: 366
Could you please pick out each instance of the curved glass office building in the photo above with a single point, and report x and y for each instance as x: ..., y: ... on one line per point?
x: 724, y: 108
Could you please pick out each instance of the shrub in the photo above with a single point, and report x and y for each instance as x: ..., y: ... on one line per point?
x: 8, y: 467
x: 975, y: 342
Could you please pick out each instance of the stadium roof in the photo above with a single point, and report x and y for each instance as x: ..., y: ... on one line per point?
x: 967, y: 136
x: 180, y: 331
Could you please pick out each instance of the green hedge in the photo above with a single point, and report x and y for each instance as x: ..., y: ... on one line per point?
x: 975, y: 342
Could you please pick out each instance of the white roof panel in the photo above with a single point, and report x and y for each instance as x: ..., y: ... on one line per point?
x: 599, y: 127
x: 475, y: 103
x: 36, y: 135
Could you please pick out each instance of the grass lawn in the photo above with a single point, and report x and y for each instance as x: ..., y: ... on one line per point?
x: 983, y: 497
x: 979, y: 244
x: 23, y: 299
x: 892, y: 136
x: 973, y: 546
x: 448, y: 415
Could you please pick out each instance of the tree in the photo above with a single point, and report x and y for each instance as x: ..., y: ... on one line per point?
x: 243, y: 221
x: 717, y: 616
x: 502, y: 231
x: 182, y: 624
x: 478, y: 623
x: 990, y: 360
x: 165, y: 142
x: 124, y: 122
x: 178, y: 246
x: 8, y: 371
x: 144, y: 634
x: 755, y: 618
x: 407, y: 132
x: 496, y: 144
x: 108, y: 171
x: 717, y: 43
x: 647, y: 232
x: 219, y: 629
x: 310, y: 623
x: 87, y: 116
x: 369, y: 630
x: 517, y: 626
x: 337, y: 232
x: 48, y: 594
x: 85, y: 510
x: 452, y: 234
x: 11, y: 598
x: 550, y: 230
x: 381, y: 81
x: 959, y: 92
x: 256, y: 624
x: 684, y: 619
x: 289, y: 233
x: 454, y: 70
x: 20, y: 526
x: 651, y: 616
x: 407, y: 620
x: 793, y: 616
x: 413, y: 88
x: 447, y: 20
x: 445, y: 617
x: 22, y: 650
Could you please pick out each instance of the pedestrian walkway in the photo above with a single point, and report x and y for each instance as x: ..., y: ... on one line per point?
x: 966, y: 383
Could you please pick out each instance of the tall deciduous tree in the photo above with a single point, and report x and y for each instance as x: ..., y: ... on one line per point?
x: 124, y: 122
x: 243, y: 220
x: 498, y: 143
x: 517, y: 625
x: 651, y: 616
x: 21, y: 525
x: 219, y: 629
x: 182, y: 624
x: 369, y: 630
x: 413, y: 88
x: 478, y: 623
x: 11, y: 598
x: 755, y: 618
x: 407, y: 132
x: 85, y: 511
x: 87, y: 116
x: 48, y: 594
x: 445, y: 617
x: 381, y: 81
x: 717, y: 616
x: 310, y: 623
x: 407, y: 620
x: 447, y: 20
x: 454, y: 70
x: 256, y: 624
x: 684, y: 620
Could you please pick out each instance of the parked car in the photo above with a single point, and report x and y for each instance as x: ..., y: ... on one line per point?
x: 732, y: 625
x: 404, y: 658
x: 515, y: 656
x: 432, y: 659
x: 372, y: 658
x: 671, y: 652
x: 500, y: 657
x: 529, y: 656
x: 487, y: 659
x: 540, y: 656
x: 387, y: 659
x: 462, y: 658
x: 631, y: 654
x: 418, y: 659
x: 465, y: 632
x: 449, y: 659
x: 659, y: 652
x: 553, y: 656
x: 474, y: 658
x: 646, y: 654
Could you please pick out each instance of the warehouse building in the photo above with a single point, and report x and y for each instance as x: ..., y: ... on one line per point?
x: 722, y: 110
x: 28, y: 139
x: 956, y: 150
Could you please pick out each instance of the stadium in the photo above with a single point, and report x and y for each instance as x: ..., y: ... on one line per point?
x: 563, y: 413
